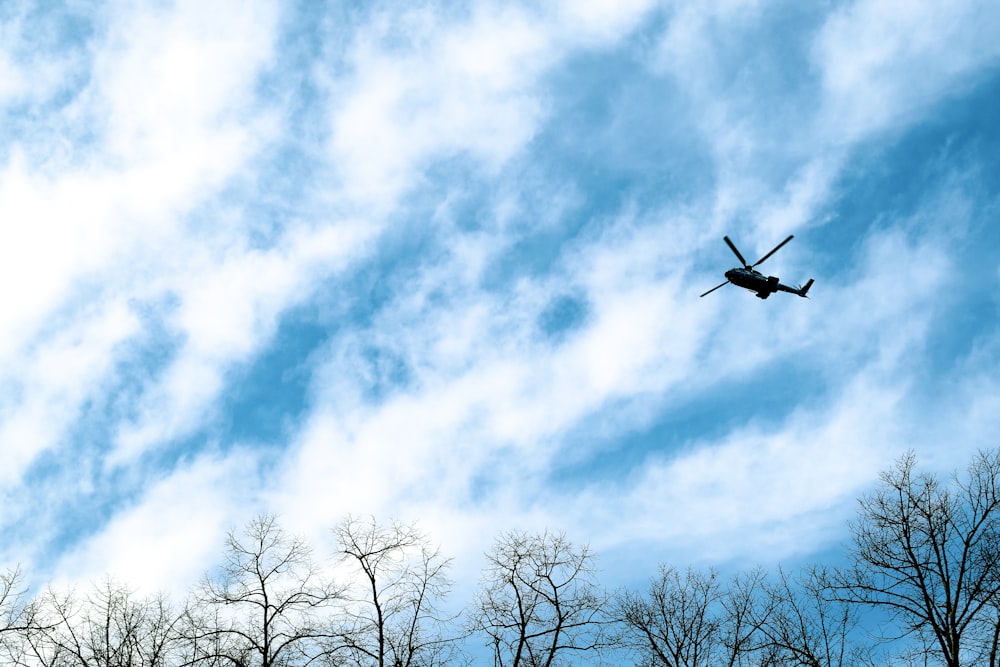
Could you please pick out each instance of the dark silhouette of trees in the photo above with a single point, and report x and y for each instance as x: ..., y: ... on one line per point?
x: 540, y: 604
x: 928, y: 552
x: 678, y: 621
x: 394, y: 614
x: 263, y: 608
x: 17, y: 615
x: 741, y: 637
x: 797, y: 623
x: 695, y: 619
x: 108, y: 627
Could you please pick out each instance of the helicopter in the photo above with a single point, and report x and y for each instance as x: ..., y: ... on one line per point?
x: 755, y: 281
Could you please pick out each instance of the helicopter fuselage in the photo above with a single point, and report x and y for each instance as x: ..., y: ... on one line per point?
x: 755, y: 281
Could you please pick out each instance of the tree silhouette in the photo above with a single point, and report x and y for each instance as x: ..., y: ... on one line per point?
x: 262, y: 608
x: 108, y: 627
x: 394, y: 616
x: 798, y: 624
x: 678, y: 621
x: 540, y: 602
x: 929, y: 554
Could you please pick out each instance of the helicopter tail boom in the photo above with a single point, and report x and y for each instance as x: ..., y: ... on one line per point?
x: 805, y: 288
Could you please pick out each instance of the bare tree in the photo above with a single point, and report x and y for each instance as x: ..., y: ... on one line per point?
x: 691, y: 619
x: 394, y: 616
x: 799, y: 625
x: 261, y: 609
x: 540, y: 604
x: 677, y: 622
x: 203, y: 644
x: 18, y: 616
x: 740, y: 635
x: 985, y: 638
x: 109, y: 627
x: 929, y: 554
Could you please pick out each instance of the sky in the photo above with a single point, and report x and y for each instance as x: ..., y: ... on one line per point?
x: 441, y: 262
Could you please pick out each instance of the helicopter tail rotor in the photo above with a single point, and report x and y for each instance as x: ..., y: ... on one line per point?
x: 805, y: 288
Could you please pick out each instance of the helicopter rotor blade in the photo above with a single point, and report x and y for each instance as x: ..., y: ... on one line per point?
x: 735, y: 251
x: 715, y: 288
x: 774, y: 250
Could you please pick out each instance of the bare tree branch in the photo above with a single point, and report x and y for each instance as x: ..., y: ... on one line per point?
x: 394, y: 615
x: 928, y: 554
x: 262, y: 606
x: 540, y: 602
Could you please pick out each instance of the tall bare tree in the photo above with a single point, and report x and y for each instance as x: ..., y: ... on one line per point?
x: 262, y: 607
x: 540, y: 604
x: 692, y: 619
x: 395, y: 613
x: 928, y: 552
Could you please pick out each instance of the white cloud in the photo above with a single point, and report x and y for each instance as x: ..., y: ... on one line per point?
x: 174, y: 80
x: 806, y: 192
x: 166, y: 540
x: 455, y: 86
x: 759, y: 494
x: 885, y: 61
x: 14, y: 80
x: 84, y: 220
x: 34, y: 67
x: 46, y: 390
x: 600, y: 22
x: 458, y: 88
x: 229, y: 308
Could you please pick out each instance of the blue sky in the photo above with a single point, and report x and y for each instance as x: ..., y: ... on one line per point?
x: 441, y: 263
